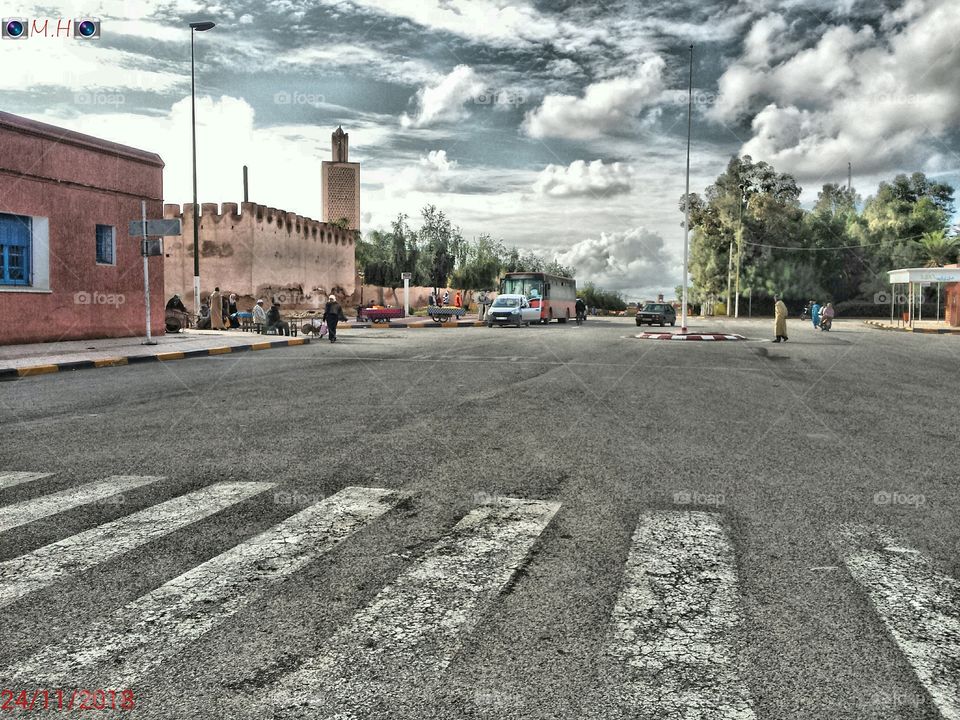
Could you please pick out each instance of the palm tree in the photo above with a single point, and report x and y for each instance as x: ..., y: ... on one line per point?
x: 936, y: 249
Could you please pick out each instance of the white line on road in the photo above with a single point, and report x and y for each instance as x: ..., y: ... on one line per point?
x: 668, y: 649
x: 9, y: 479
x: 919, y: 607
x: 413, y: 629
x: 61, y: 560
x: 28, y: 511
x: 159, y: 625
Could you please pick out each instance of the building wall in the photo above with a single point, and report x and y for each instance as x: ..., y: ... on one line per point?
x: 257, y: 251
x: 69, y: 183
x: 340, y: 187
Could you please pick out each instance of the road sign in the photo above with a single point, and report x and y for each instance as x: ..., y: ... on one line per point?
x: 151, y: 248
x: 155, y: 228
x: 406, y: 276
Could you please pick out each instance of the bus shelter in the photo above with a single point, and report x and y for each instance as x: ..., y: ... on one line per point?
x: 913, y: 280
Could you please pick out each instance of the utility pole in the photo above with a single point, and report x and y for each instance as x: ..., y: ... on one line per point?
x: 849, y: 176
x: 729, y: 278
x: 686, y: 203
x: 740, y: 199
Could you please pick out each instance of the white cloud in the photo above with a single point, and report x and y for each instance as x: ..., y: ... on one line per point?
x: 444, y: 100
x: 878, y: 101
x: 582, y: 179
x: 606, y: 106
x: 433, y: 173
x: 632, y: 261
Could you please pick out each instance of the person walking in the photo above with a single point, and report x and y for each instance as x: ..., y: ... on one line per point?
x: 232, y: 311
x: 432, y: 298
x: 332, y: 314
x: 815, y: 314
x: 216, y: 310
x: 780, y: 321
x: 482, y: 305
x: 458, y: 300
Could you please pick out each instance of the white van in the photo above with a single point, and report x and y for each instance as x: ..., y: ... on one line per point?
x: 512, y: 310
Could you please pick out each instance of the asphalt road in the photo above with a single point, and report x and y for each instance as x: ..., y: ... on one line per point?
x: 579, y: 524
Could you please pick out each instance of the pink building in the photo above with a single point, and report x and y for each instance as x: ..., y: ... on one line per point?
x: 68, y: 267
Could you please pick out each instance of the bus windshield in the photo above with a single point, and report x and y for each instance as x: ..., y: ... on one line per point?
x: 531, y: 287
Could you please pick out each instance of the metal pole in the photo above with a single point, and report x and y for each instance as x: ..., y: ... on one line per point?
x: 729, y: 277
x: 751, y: 303
x: 893, y: 297
x: 196, y: 207
x: 406, y: 296
x: 736, y: 302
x: 686, y: 204
x: 146, y: 271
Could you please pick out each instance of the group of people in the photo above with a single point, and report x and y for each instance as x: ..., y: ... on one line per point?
x: 266, y: 320
x: 821, y: 316
x: 445, y: 299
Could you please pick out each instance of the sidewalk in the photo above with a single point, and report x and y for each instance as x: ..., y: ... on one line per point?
x: 926, y: 327
x: 41, y: 358
x: 412, y: 321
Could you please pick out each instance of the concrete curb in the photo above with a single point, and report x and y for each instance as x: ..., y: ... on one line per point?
x: 923, y: 331
x: 16, y: 373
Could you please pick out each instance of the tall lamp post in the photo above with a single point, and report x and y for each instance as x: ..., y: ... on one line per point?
x: 686, y: 203
x: 740, y: 201
x: 195, y: 27
x: 360, y: 275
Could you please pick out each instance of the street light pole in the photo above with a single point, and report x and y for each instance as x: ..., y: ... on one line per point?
x: 198, y: 27
x: 686, y: 203
x: 736, y: 310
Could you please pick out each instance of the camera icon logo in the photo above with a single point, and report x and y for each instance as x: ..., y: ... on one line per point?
x: 86, y: 28
x: 281, y: 98
x: 882, y: 498
x: 15, y: 28
x: 682, y: 498
x: 82, y: 298
x: 881, y: 298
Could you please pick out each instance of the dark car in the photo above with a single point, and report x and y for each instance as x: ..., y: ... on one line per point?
x: 660, y: 313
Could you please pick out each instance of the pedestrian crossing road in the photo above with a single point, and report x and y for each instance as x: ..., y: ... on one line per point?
x: 668, y: 650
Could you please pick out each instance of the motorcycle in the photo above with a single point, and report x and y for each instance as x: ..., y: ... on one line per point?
x: 826, y: 323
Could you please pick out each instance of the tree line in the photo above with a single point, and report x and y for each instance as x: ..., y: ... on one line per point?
x: 839, y: 251
x: 438, y: 255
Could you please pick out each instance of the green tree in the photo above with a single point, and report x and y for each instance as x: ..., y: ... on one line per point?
x: 439, y: 241
x: 937, y: 250
x: 481, y: 264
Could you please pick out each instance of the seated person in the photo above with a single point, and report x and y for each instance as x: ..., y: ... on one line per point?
x: 203, y: 322
x: 275, y: 323
x: 175, y: 303
x: 260, y: 316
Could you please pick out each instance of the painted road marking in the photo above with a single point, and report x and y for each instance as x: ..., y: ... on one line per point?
x: 63, y: 559
x: 919, y: 607
x: 159, y: 625
x: 668, y: 647
x: 9, y: 479
x: 413, y: 628
x: 28, y: 511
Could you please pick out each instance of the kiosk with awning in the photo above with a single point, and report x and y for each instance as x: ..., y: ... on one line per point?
x: 915, y: 279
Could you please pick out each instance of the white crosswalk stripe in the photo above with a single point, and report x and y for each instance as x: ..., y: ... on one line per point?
x: 919, y: 607
x: 60, y: 560
x: 414, y: 627
x: 10, y: 479
x: 668, y: 647
x: 28, y: 511
x: 159, y: 625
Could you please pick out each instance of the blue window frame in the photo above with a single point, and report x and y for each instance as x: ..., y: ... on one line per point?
x: 16, y: 240
x: 105, y: 245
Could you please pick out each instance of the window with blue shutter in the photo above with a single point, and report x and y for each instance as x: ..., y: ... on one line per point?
x: 105, y: 245
x: 16, y: 240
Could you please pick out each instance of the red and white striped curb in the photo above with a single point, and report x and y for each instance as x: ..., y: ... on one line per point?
x: 688, y: 336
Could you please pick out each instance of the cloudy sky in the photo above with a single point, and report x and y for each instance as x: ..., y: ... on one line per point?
x: 559, y: 126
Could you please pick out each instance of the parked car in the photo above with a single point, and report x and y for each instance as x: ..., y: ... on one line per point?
x: 661, y: 313
x: 512, y: 310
